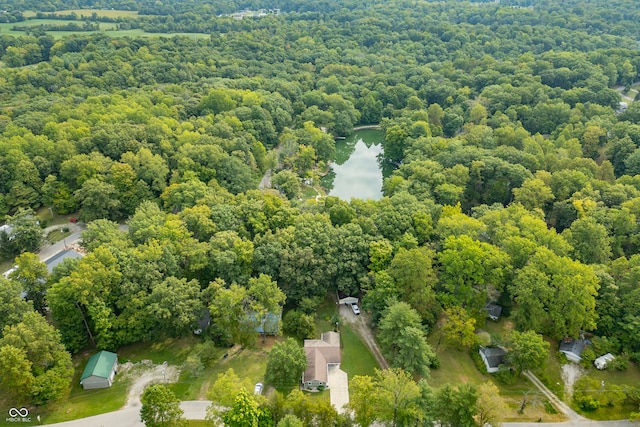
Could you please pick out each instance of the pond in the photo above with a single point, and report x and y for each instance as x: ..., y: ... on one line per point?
x: 357, y: 170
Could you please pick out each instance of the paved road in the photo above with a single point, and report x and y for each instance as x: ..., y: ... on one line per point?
x: 48, y: 251
x: 197, y: 410
x: 130, y: 416
x: 581, y: 423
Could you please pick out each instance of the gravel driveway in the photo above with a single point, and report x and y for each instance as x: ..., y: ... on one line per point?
x: 359, y: 324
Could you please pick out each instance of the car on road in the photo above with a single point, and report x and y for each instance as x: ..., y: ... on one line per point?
x: 257, y: 389
x: 355, y: 308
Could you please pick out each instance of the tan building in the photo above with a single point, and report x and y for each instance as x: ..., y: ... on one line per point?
x: 321, y: 354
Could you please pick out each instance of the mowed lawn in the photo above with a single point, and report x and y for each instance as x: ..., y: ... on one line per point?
x: 356, y: 357
x: 456, y: 366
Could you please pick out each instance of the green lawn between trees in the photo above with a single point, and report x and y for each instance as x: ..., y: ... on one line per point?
x: 247, y: 363
x: 457, y: 366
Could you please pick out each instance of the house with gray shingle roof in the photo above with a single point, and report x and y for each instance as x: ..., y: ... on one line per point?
x: 320, y: 354
x: 492, y: 357
x: 572, y: 348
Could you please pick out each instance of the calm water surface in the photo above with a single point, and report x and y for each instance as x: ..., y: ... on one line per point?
x: 357, y: 171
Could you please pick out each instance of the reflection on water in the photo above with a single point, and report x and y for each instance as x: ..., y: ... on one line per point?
x: 357, y: 171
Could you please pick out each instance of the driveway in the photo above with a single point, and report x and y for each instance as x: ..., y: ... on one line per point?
x: 338, y: 387
x: 360, y: 327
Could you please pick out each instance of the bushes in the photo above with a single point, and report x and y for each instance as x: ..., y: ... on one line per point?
x: 299, y: 325
x: 477, y: 359
x: 506, y: 375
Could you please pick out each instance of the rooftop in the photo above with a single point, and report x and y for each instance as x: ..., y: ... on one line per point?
x: 494, y: 355
x: 572, y: 346
x: 59, y: 257
x: 100, y: 365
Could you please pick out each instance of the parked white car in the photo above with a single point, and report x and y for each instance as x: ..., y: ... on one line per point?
x: 257, y: 389
x: 355, y: 308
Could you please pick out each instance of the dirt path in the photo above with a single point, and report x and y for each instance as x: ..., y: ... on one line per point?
x: 359, y: 325
x: 570, y: 373
x: 145, y: 373
x: 559, y: 404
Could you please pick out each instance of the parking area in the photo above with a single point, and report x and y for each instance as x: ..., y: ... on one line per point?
x: 338, y: 387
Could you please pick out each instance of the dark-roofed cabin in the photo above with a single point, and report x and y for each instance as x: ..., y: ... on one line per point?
x: 572, y: 349
x: 492, y: 357
x: 100, y: 370
x: 203, y: 322
x: 494, y: 311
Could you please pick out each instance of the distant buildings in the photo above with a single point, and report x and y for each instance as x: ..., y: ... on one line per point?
x: 246, y: 13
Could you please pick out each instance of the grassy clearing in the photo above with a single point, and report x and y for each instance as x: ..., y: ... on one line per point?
x: 551, y: 375
x: 198, y: 423
x: 248, y: 364
x: 457, y: 367
x: 44, y: 214
x: 356, y: 357
x: 57, y: 235
x: 107, y: 28
x: 173, y: 351
x: 628, y: 377
x: 325, y: 312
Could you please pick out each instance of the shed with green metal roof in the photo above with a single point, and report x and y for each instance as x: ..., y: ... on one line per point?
x: 100, y: 370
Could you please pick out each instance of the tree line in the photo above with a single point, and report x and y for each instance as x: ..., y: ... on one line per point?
x: 515, y: 177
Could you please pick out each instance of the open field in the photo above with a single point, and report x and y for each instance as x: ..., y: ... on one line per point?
x: 105, y: 28
x: 248, y: 364
x: 88, y: 12
x: 172, y: 351
x: 7, y: 28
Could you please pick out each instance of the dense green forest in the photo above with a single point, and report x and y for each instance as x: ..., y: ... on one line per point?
x: 516, y: 169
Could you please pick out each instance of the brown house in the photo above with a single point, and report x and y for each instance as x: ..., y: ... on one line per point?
x: 320, y: 355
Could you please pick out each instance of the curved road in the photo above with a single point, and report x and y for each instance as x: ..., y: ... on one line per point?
x: 130, y: 416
